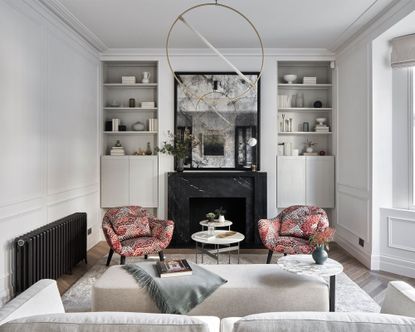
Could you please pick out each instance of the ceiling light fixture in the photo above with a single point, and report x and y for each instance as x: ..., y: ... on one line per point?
x: 251, y: 84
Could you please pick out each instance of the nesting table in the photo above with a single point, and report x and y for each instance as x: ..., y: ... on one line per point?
x: 305, y: 265
x: 220, y: 244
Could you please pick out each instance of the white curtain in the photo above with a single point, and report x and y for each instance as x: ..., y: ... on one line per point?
x: 403, y: 51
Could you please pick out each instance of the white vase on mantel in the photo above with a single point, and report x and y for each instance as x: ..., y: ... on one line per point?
x: 221, y: 218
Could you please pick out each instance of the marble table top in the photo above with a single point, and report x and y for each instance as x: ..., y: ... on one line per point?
x: 235, y: 238
x: 304, y: 264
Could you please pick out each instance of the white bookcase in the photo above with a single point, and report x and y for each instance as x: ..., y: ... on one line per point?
x: 131, y: 179
x: 306, y: 179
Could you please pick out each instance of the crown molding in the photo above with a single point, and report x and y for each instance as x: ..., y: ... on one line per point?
x: 279, y: 53
x: 379, y: 24
x: 70, y: 20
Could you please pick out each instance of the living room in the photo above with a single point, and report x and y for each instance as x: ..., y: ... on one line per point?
x: 262, y: 152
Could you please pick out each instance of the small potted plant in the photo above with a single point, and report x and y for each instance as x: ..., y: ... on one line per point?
x: 210, y: 216
x: 179, y: 147
x: 220, y: 214
x: 309, y: 146
x: 320, y: 241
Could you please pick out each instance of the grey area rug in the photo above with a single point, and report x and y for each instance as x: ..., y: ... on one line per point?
x: 349, y: 296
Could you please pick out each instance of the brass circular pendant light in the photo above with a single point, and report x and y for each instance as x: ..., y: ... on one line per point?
x: 186, y: 89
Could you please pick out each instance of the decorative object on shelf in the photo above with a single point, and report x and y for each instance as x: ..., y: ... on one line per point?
x: 290, y: 125
x: 131, y: 102
x: 318, y: 104
x: 253, y: 168
x: 115, y: 124
x: 108, y: 126
x: 179, y: 146
x: 220, y: 214
x: 283, y: 123
x: 281, y: 149
x: 231, y: 124
x: 128, y: 80
x: 148, y: 150
x: 122, y: 128
x: 146, y: 77
x: 249, y: 83
x: 117, y: 149
x: 210, y: 216
x: 321, y: 127
x: 290, y: 78
x: 309, y: 80
x: 306, y: 126
x: 287, y: 125
x: 320, y: 241
x: 322, y: 153
x: 288, y: 149
x: 114, y: 103
x: 285, y: 101
x: 309, y: 146
x: 295, y: 152
x: 148, y: 104
x: 152, y: 124
x: 138, y: 126
x: 299, y: 100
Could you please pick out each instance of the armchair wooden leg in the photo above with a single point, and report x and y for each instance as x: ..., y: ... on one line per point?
x: 145, y: 256
x: 270, y: 252
x: 285, y: 254
x: 110, y: 257
x: 122, y: 260
x: 161, y: 255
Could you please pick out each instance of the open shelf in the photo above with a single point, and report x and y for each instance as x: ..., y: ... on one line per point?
x: 132, y: 109
x: 130, y: 132
x: 303, y: 133
x: 136, y: 85
x: 304, y: 109
x: 304, y: 86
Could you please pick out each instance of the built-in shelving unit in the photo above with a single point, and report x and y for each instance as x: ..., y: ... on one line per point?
x: 124, y: 177
x: 296, y: 136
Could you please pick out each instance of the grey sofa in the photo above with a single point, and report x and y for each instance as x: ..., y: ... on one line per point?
x: 40, y: 309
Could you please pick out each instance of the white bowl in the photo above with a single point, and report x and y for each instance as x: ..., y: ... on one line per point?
x: 290, y: 78
x: 321, y: 120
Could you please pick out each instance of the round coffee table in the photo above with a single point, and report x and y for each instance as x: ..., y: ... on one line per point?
x: 228, y: 243
x: 305, y: 265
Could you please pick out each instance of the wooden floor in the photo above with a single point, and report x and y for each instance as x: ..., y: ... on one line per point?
x: 373, y: 282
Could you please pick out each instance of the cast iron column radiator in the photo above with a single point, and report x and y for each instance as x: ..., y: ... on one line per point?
x: 50, y: 251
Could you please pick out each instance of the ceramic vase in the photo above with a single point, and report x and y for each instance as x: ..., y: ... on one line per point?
x: 221, y: 218
x: 320, y: 255
x: 180, y: 165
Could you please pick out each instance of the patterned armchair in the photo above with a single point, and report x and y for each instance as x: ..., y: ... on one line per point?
x: 290, y: 231
x: 131, y: 231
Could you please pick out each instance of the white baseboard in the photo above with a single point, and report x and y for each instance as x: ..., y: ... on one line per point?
x: 353, y: 250
x: 397, y: 266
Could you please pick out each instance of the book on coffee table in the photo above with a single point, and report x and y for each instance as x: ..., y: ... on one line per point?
x: 173, y: 268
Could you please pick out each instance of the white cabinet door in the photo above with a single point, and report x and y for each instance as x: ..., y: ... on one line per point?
x: 320, y: 181
x: 114, y: 182
x: 291, y: 181
x: 144, y: 181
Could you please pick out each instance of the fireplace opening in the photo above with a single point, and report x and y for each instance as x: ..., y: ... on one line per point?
x: 235, y: 211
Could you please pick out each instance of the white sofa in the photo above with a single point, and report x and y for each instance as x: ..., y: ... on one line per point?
x: 39, y: 309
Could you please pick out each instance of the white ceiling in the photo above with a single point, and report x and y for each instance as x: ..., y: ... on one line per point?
x: 281, y: 23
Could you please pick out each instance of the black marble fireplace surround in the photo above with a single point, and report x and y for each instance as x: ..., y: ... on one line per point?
x: 242, y: 194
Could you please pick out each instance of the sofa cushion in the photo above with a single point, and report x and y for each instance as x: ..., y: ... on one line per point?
x: 129, y: 222
x: 302, y: 221
x: 324, y: 322
x: 111, y: 322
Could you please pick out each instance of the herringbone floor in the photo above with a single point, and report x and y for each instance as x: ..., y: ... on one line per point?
x: 373, y: 282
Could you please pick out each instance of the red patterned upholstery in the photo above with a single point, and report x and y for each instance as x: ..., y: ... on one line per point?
x: 290, y: 231
x: 131, y: 231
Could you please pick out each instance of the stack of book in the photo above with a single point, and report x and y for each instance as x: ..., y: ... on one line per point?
x: 322, y: 128
x: 148, y: 104
x: 128, y: 79
x: 152, y: 124
x: 173, y: 268
x: 284, y: 101
x: 117, y: 150
x: 309, y: 80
